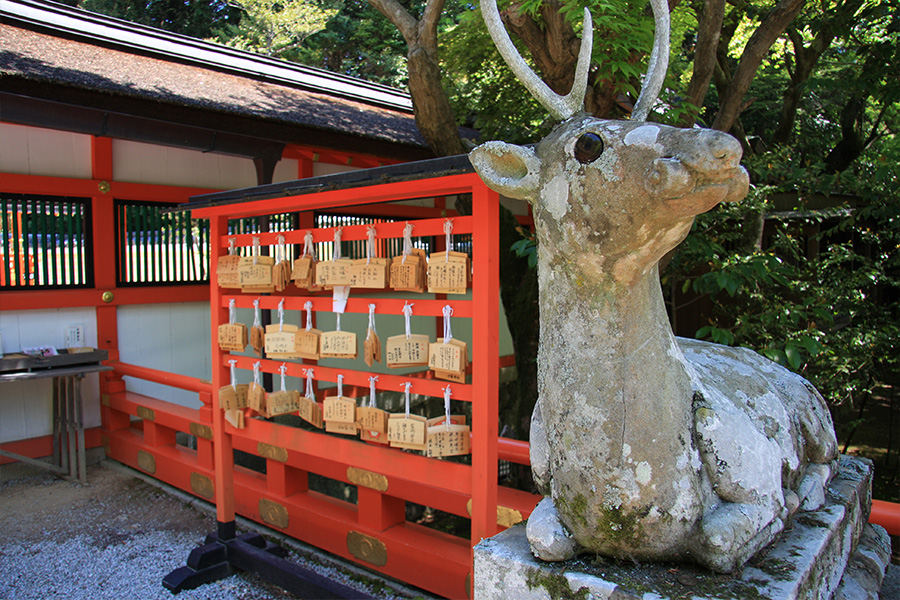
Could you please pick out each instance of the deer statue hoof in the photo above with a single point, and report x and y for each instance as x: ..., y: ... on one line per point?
x: 549, y: 539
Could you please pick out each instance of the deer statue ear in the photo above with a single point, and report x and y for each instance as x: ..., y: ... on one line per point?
x: 511, y: 170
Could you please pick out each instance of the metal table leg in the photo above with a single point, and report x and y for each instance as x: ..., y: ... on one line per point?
x: 79, y: 428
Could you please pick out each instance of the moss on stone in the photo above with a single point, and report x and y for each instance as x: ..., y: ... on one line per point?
x: 556, y: 585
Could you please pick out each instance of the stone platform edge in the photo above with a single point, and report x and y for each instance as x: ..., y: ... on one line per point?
x: 831, y: 553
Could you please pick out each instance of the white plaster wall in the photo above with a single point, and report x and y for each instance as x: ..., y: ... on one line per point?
x: 137, y: 162
x: 287, y: 169
x: 37, y: 151
x: 167, y: 337
x: 26, y: 406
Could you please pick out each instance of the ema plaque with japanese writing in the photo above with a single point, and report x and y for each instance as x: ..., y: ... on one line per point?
x: 402, y: 351
x: 232, y: 337
x: 407, y: 432
x: 227, y: 271
x: 338, y: 344
x: 448, y: 274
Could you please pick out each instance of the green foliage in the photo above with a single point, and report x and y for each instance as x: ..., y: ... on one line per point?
x: 360, y: 42
x: 275, y: 27
x: 823, y: 296
x: 526, y: 247
x: 195, y: 18
x: 483, y: 91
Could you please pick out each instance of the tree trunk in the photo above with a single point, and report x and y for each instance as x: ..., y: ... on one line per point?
x: 851, y: 143
x: 712, y: 15
x: 434, y: 116
x: 754, y: 53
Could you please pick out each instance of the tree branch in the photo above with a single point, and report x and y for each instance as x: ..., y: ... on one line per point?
x: 754, y: 53
x: 400, y: 17
x: 712, y: 14
x: 429, y: 22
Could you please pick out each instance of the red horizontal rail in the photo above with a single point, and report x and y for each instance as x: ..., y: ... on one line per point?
x: 886, y: 514
x: 424, y: 227
x: 422, y: 307
x: 386, y: 381
x: 43, y: 299
x: 515, y: 451
x: 184, y: 382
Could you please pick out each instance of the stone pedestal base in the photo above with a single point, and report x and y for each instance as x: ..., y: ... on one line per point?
x: 829, y: 553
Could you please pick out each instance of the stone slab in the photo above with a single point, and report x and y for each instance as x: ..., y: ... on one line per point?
x: 808, y: 561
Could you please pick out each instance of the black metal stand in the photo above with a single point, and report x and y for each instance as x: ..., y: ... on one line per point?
x: 224, y: 553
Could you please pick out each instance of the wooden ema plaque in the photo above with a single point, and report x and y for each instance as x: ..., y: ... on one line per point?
x: 401, y: 351
x: 307, y: 344
x: 232, y: 337
x: 444, y: 441
x: 257, y: 339
x: 330, y: 273
x: 256, y: 398
x: 227, y: 271
x: 369, y: 274
x: 407, y: 432
x: 311, y: 412
x: 281, y: 341
x: 448, y: 276
x: 235, y: 417
x: 255, y: 274
x: 371, y: 348
x: 233, y: 397
x: 448, y: 361
x: 281, y: 275
x: 409, y: 275
x: 339, y: 414
x: 282, y: 403
x: 303, y: 273
x: 372, y: 424
x: 338, y: 344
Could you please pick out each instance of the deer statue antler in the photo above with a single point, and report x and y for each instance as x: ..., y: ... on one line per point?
x: 560, y: 107
x: 658, y: 64
x: 563, y: 107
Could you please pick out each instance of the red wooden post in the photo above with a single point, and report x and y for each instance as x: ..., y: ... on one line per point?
x: 222, y: 444
x: 485, y: 353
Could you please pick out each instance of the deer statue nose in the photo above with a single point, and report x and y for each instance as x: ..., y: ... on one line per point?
x: 713, y: 153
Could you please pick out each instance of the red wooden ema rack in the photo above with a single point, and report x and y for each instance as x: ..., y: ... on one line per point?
x: 373, y: 531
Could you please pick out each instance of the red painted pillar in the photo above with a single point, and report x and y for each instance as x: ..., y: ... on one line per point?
x: 223, y: 451
x: 486, y: 363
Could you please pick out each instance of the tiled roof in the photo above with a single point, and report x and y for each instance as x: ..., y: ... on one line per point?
x: 275, y: 91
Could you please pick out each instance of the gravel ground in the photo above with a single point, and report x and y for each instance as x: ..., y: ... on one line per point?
x: 116, y: 539
x: 119, y: 536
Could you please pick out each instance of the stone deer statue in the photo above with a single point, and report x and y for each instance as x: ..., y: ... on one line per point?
x: 647, y: 447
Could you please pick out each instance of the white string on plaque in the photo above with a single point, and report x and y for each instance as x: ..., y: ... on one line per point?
x: 448, y: 271
x: 448, y: 435
x: 281, y: 339
x: 256, y: 394
x: 232, y: 336
x: 233, y: 396
x: 371, y: 272
x: 339, y: 412
x: 284, y: 401
x: 372, y: 421
x: 310, y: 410
x: 227, y: 268
x: 257, y: 334
x: 372, y: 343
x: 407, y: 350
x: 408, y: 269
x: 308, y: 339
x: 447, y: 356
x: 338, y: 344
x: 407, y: 431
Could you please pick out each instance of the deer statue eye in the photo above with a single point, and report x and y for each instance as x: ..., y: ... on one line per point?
x: 588, y: 147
